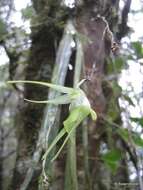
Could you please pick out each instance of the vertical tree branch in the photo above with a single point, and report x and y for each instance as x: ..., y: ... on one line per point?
x: 51, y: 111
x: 71, y: 168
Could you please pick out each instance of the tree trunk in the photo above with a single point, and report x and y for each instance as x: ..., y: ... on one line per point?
x: 98, y: 22
x: 40, y: 65
x: 97, y: 48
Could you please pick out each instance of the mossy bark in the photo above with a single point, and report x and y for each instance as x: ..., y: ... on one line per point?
x: 40, y: 65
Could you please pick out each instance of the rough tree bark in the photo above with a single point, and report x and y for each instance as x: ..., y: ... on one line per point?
x: 41, y: 61
x: 93, y: 22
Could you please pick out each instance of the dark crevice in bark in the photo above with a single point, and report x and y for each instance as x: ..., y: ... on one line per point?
x: 123, y: 28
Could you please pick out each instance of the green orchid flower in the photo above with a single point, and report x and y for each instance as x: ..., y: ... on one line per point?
x: 79, y: 109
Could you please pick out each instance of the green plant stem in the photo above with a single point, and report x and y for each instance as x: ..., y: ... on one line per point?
x: 71, y: 182
x: 71, y: 168
x: 87, y: 181
x: 51, y: 115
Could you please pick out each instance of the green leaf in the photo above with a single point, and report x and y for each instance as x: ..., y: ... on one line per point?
x: 113, y: 110
x: 112, y: 166
x: 112, y: 158
x: 128, y: 99
x: 116, y: 88
x: 137, y: 140
x: 123, y: 133
x: 130, y: 57
x: 27, y: 12
x: 115, y: 65
x: 135, y: 136
x: 119, y: 63
x: 3, y: 28
x: 137, y: 46
x: 138, y: 120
